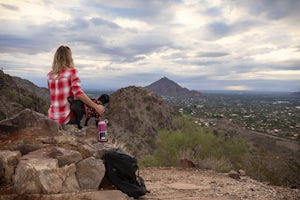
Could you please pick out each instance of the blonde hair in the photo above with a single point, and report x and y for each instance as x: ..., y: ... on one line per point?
x: 62, y: 59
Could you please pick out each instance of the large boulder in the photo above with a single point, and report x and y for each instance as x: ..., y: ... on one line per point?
x: 90, y: 172
x: 27, y: 131
x: 40, y: 172
x: 26, y: 119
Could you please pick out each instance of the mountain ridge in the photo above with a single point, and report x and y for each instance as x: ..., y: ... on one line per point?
x: 18, y: 94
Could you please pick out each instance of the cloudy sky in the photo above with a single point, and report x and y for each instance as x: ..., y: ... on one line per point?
x: 202, y: 45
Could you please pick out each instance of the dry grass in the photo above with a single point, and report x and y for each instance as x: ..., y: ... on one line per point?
x: 222, y: 164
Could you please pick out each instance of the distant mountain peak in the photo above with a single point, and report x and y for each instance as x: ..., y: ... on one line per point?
x: 167, y: 87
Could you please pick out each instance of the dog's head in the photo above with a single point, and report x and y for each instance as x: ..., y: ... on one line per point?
x: 104, y: 99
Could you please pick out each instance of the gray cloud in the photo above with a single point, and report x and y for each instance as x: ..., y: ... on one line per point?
x: 9, y: 7
x: 272, y: 9
x: 150, y: 11
x: 134, y: 59
x: 165, y: 47
x: 24, y: 45
x: 221, y: 29
x: 212, y: 54
x: 102, y: 22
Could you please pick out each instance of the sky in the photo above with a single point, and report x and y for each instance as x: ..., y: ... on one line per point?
x: 200, y: 44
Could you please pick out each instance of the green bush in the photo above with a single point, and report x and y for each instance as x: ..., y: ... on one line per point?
x: 147, y: 98
x: 199, y: 144
x: 26, y: 101
x: 12, y: 94
x: 151, y: 142
x: 130, y: 105
x: 235, y: 149
x: 149, y: 161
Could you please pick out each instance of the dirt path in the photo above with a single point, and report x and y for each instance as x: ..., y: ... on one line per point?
x: 171, y: 183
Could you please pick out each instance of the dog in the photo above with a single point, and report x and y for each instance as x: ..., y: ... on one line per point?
x: 79, y: 109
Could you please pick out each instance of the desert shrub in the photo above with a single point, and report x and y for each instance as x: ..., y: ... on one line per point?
x: 12, y: 94
x: 44, y: 109
x: 147, y: 98
x: 130, y: 105
x: 235, y: 149
x: 149, y: 161
x: 273, y: 168
x: 222, y: 164
x: 151, y: 142
x: 199, y: 145
x: 26, y: 101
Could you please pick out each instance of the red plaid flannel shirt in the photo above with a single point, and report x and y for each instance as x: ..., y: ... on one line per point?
x: 66, y: 84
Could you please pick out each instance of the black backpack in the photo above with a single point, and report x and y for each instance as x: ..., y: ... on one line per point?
x: 121, y: 171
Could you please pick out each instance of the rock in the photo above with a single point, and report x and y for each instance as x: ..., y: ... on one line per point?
x: 65, y: 138
x: 88, y: 150
x: 90, y: 172
x: 29, y: 118
x: 64, y: 156
x: 39, y: 172
x: 233, y: 174
x: 27, y: 176
x: 185, y: 163
x: 59, y: 180
x: 8, y: 163
x: 73, y: 130
x: 39, y: 157
x: 25, y: 147
x: 28, y: 131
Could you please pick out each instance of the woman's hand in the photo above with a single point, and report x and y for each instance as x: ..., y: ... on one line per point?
x: 100, y: 109
x: 85, y: 99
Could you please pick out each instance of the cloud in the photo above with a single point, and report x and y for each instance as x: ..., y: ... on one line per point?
x: 219, y: 29
x: 148, y: 11
x: 203, y: 45
x: 9, y: 7
x: 212, y: 54
x: 272, y: 9
x: 102, y: 22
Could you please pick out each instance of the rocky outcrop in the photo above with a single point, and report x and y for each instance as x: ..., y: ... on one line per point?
x: 136, y: 114
x: 26, y: 85
x: 38, y: 156
x: 28, y: 119
x: 17, y: 94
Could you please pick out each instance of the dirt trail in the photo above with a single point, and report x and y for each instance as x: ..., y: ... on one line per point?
x: 172, y: 183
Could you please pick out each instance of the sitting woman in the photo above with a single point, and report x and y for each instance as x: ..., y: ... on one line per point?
x: 63, y: 81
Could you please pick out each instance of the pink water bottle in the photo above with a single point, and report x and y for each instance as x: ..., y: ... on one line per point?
x: 102, y: 131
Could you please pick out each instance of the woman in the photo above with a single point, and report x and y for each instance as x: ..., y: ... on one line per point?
x: 63, y: 81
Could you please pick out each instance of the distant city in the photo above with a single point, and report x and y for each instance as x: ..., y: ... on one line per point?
x: 276, y: 114
x: 272, y: 113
